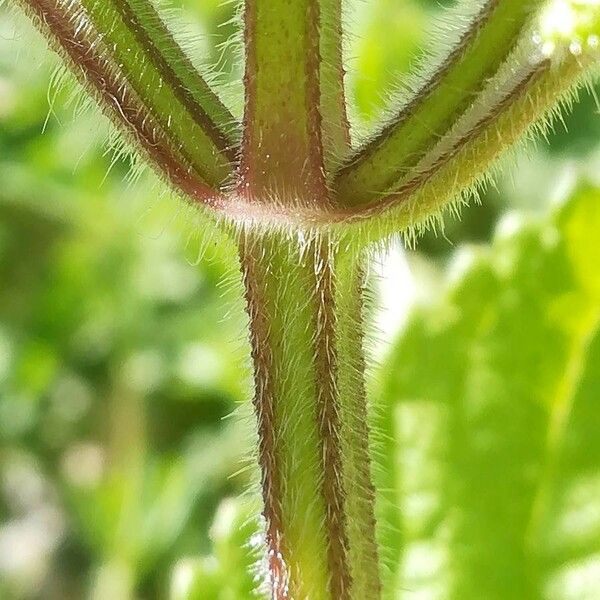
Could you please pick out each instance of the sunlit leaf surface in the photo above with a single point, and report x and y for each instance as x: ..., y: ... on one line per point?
x: 491, y: 398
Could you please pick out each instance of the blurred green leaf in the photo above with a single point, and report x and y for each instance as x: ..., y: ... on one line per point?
x: 489, y: 404
x: 230, y: 573
x: 389, y: 35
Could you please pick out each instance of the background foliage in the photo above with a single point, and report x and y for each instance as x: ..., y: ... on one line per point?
x: 121, y: 349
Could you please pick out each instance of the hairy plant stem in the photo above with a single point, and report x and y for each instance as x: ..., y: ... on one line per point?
x: 305, y: 312
x: 398, y: 147
x: 293, y: 174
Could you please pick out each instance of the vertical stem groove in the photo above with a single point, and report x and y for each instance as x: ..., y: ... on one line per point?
x: 356, y: 435
x: 306, y: 338
x: 329, y: 418
x: 334, y: 114
x: 264, y: 407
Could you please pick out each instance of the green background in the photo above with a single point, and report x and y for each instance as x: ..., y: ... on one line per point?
x: 122, y: 357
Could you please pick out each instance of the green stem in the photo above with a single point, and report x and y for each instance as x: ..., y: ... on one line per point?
x: 304, y: 305
x: 68, y: 28
x: 529, y: 108
x: 334, y: 114
x: 440, y: 101
x: 282, y: 153
x: 170, y: 89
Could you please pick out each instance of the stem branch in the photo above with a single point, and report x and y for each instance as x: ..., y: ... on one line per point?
x: 440, y: 101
